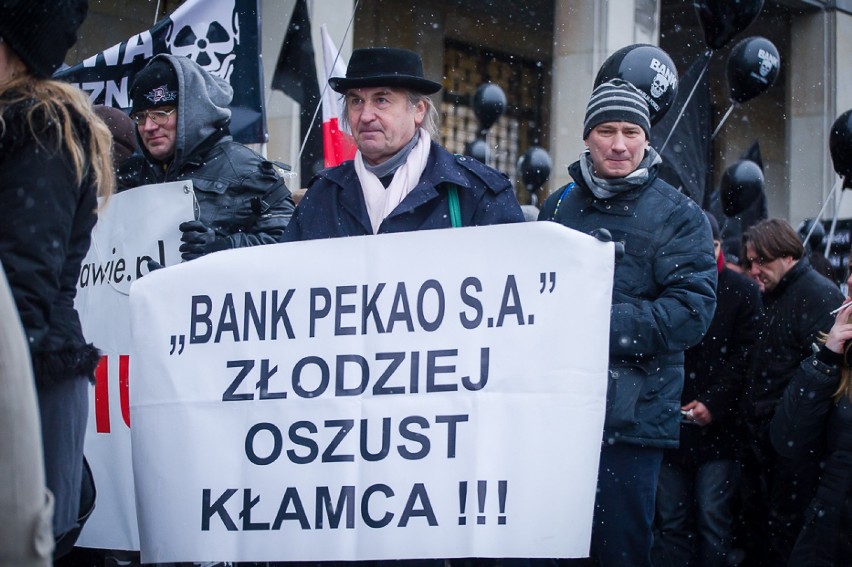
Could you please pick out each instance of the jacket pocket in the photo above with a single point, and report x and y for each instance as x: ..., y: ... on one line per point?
x: 216, y: 186
x: 622, y: 395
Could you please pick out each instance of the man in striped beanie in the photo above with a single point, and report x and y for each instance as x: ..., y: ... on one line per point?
x: 662, y: 302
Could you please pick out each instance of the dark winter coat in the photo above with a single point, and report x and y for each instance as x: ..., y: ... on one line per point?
x: 795, y: 312
x: 811, y: 424
x: 46, y: 219
x: 334, y: 204
x: 662, y: 301
x: 715, y: 370
x: 238, y: 193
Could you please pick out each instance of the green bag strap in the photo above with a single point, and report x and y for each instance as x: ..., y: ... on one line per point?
x: 455, y: 209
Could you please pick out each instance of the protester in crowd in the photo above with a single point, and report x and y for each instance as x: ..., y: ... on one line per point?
x: 54, y: 163
x: 797, y: 302
x: 814, y: 423
x: 401, y: 179
x: 123, y: 132
x: 182, y: 117
x: 698, y: 480
x: 663, y: 301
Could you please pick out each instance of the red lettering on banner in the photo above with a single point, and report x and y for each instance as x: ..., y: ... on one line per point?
x: 124, y: 387
x: 102, y: 395
x: 102, y: 412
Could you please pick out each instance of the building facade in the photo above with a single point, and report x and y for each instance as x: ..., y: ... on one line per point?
x: 544, y: 54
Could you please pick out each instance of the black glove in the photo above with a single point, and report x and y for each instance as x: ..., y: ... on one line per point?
x: 604, y: 235
x: 198, y: 239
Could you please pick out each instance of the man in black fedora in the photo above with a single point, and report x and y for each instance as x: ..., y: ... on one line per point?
x: 401, y: 179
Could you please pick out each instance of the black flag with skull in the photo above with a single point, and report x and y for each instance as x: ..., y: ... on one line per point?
x: 222, y: 36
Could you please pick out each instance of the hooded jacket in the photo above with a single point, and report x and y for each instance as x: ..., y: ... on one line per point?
x: 663, y: 299
x: 238, y: 194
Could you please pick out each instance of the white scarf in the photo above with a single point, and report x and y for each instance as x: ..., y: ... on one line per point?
x: 380, y: 201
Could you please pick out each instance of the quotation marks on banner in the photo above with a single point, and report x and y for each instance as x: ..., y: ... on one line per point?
x: 481, y: 498
x: 177, y: 341
x: 544, y: 278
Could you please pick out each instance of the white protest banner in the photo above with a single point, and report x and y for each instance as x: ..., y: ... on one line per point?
x: 137, y: 225
x: 428, y: 394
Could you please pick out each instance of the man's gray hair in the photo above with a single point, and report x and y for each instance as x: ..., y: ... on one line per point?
x: 430, y: 119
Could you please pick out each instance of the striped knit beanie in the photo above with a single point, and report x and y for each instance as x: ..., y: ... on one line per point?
x: 616, y: 101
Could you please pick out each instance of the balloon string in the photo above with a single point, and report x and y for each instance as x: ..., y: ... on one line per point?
x: 833, y: 225
x: 707, y: 54
x: 724, y: 118
x: 822, y: 210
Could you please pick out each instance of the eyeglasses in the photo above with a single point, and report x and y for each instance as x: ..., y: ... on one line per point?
x: 749, y: 262
x: 158, y: 117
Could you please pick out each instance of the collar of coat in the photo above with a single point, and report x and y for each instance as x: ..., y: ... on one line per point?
x: 794, y: 273
x: 442, y: 168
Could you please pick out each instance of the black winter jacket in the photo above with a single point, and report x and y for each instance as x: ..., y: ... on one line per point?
x: 237, y: 193
x: 334, y: 203
x: 663, y: 299
x: 46, y: 219
x: 811, y: 424
x: 795, y: 312
x: 715, y: 370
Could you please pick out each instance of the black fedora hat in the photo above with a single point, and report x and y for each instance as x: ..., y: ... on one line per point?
x: 384, y: 67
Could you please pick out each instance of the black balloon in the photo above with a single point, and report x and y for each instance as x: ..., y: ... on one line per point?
x: 476, y: 149
x: 840, y: 144
x: 535, y: 165
x: 488, y: 104
x: 649, y: 69
x: 753, y: 66
x: 741, y: 185
x: 721, y: 20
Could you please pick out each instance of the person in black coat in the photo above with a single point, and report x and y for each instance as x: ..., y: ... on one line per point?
x: 797, y: 303
x: 401, y: 179
x: 698, y: 481
x: 54, y: 164
x: 814, y: 423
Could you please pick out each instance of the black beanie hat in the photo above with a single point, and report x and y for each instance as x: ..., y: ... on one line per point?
x: 41, y: 32
x: 155, y: 85
x: 617, y: 101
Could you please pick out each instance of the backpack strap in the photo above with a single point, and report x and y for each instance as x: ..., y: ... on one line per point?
x: 455, y: 209
x: 565, y: 190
